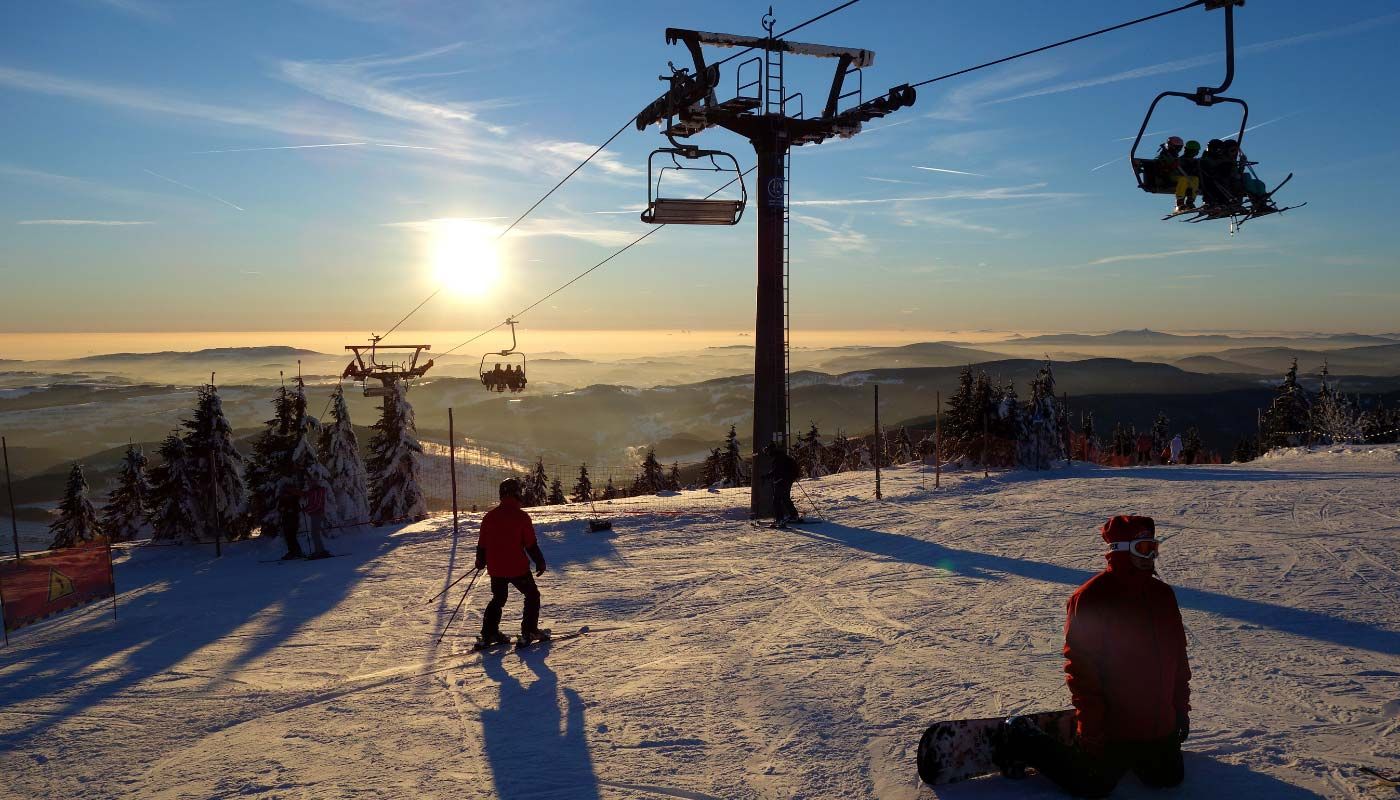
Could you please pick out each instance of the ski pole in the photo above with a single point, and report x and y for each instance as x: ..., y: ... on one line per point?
x: 811, y: 501
x: 458, y: 608
x: 449, y: 588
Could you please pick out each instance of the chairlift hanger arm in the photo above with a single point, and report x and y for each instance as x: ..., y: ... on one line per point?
x: 859, y: 57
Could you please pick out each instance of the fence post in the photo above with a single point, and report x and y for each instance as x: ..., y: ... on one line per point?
x: 9, y: 489
x: 985, y: 443
x: 452, y: 465
x: 937, y: 439
x: 878, y: 442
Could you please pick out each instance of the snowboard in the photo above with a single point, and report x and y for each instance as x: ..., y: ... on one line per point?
x: 955, y: 750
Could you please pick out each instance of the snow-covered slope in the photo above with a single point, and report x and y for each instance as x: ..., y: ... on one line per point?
x: 728, y: 661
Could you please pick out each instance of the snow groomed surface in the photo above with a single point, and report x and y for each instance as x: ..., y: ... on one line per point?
x: 728, y: 662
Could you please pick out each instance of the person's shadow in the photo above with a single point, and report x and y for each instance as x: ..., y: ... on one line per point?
x: 527, y: 749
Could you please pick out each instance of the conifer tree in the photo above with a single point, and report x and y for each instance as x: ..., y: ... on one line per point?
x: 610, y: 491
x: 77, y: 519
x: 583, y: 487
x: 394, y: 493
x: 1286, y: 421
x: 269, y: 465
x: 124, y: 516
x: 811, y: 455
x: 673, y: 478
x: 1044, y: 422
x: 174, y: 509
x: 963, y: 420
x: 903, y: 450
x: 347, y: 501
x: 307, y: 468
x: 1161, y: 434
x: 651, y: 479
x: 215, y: 468
x: 713, y: 472
x: 534, y: 486
x: 556, y: 493
x: 839, y: 453
x: 1191, y: 446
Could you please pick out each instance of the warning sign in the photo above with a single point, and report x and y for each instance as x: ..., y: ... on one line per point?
x: 39, y: 586
x: 60, y: 585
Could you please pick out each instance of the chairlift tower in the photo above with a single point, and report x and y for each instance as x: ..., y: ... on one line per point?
x: 372, y: 362
x: 774, y: 122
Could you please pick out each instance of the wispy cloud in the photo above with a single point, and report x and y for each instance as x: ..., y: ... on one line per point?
x: 76, y: 186
x: 1182, y: 64
x: 950, y: 171
x: 196, y: 191
x: 842, y: 238
x: 1028, y: 191
x: 311, y: 147
x: 1189, y: 251
x: 957, y: 104
x: 138, y: 8
x: 890, y: 180
x: 99, y: 222
x: 578, y: 230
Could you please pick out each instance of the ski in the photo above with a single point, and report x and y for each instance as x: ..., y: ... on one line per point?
x: 300, y: 558
x: 523, y: 644
x: 480, y: 645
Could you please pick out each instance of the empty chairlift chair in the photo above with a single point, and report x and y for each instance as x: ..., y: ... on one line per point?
x: 708, y: 210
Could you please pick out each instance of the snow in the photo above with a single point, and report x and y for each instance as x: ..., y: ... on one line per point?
x: 728, y: 661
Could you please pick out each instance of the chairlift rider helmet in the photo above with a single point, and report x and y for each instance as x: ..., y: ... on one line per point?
x: 510, y: 487
x: 1174, y: 142
x: 1193, y: 147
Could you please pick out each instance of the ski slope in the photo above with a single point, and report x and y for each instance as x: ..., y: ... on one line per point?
x: 728, y: 661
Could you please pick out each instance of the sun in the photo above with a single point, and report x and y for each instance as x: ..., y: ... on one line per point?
x: 464, y: 257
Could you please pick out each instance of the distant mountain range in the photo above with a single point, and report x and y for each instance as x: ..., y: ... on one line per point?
x: 208, y: 354
x: 1151, y: 338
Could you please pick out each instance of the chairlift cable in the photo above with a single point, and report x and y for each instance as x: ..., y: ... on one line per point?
x: 1079, y: 38
x: 600, y: 149
x: 581, y: 275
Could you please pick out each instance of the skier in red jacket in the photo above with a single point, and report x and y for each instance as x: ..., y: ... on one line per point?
x: 1125, y: 664
x: 507, y: 537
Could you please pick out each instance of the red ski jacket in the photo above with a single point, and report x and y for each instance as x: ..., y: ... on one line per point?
x: 506, y: 534
x: 1125, y: 657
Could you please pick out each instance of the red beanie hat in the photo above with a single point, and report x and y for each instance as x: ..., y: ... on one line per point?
x: 1125, y: 528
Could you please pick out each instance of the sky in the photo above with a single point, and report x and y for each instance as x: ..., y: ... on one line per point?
x: 326, y: 164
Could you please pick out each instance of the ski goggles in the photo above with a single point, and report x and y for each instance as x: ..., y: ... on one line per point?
x: 1143, y: 548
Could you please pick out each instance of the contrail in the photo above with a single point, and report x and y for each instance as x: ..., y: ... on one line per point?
x: 197, y: 191
x: 1106, y: 163
x: 952, y: 171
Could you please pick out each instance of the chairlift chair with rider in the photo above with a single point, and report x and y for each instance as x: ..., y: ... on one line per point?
x: 509, y: 370
x: 1238, y: 206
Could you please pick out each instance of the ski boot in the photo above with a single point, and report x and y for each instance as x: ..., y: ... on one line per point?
x: 485, y: 640
x: 1005, y: 749
x: 530, y: 637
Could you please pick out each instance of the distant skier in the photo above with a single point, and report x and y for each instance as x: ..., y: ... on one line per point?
x: 782, y: 472
x: 289, y: 519
x: 1144, y: 448
x: 507, y: 538
x: 1126, y: 668
x: 313, y: 502
x: 1176, y: 447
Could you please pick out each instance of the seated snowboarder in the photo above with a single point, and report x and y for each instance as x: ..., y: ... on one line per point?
x: 1188, y: 179
x: 1126, y: 668
x: 507, y: 538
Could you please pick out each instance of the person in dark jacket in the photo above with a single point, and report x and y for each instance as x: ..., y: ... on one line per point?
x: 289, y: 519
x: 507, y: 538
x: 783, y: 473
x: 1126, y: 668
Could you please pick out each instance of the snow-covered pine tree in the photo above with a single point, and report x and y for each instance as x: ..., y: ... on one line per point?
x: 216, y: 468
x: 610, y: 491
x: 556, y: 492
x: 269, y: 465
x: 124, y: 516
x: 903, y: 450
x: 583, y: 487
x: 307, y: 468
x: 174, y: 508
x: 1286, y: 421
x: 673, y: 478
x: 394, y: 493
x: 839, y: 453
x: 1336, y: 419
x: 347, y: 502
x: 736, y: 472
x: 713, y: 472
x: 811, y: 455
x: 534, y: 485
x: 650, y: 479
x: 77, y: 519
x: 1161, y: 434
x: 1045, y: 422
x: 1191, y: 447
x: 963, y: 419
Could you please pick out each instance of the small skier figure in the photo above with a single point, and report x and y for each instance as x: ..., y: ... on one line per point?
x: 1176, y: 447
x: 1126, y: 668
x: 782, y: 473
x: 313, y: 502
x: 507, y: 537
x: 289, y: 519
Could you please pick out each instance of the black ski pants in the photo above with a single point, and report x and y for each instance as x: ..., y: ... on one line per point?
x: 500, y: 592
x: 782, y: 501
x: 1156, y: 763
x: 291, y: 526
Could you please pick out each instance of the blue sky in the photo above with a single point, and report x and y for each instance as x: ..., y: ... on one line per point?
x: 146, y: 181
